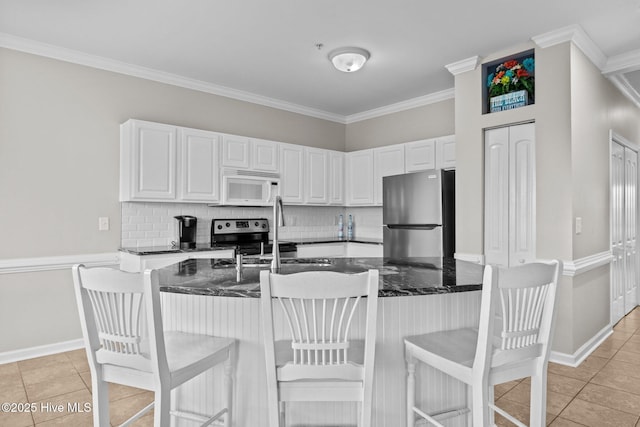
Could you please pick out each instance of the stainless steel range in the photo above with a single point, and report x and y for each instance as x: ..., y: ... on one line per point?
x: 250, y: 236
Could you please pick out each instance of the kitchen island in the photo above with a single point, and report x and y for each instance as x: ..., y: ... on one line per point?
x: 417, y: 295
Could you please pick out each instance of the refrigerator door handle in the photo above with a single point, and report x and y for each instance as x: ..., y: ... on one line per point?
x: 412, y: 226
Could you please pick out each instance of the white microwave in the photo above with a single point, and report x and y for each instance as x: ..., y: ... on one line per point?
x: 248, y: 188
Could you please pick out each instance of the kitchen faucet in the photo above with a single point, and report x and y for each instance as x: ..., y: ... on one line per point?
x: 278, y: 221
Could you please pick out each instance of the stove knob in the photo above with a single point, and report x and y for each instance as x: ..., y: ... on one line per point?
x: 264, y: 225
x: 228, y: 225
x: 219, y: 227
x: 257, y: 224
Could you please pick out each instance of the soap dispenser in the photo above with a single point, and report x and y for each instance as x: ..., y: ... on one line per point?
x: 350, y: 228
x: 340, y: 227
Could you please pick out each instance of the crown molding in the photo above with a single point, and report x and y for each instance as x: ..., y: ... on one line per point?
x: 575, y: 34
x: 623, y: 63
x: 463, y: 65
x: 621, y: 82
x: 69, y: 55
x: 401, y: 106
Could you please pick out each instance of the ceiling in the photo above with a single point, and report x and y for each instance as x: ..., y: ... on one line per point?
x: 267, y: 51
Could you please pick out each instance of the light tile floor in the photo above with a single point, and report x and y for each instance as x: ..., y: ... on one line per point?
x: 603, y: 391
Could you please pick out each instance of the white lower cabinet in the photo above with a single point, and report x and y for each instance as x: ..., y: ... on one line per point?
x: 322, y: 250
x: 136, y: 263
x: 339, y: 250
x: 364, y: 250
x: 510, y: 195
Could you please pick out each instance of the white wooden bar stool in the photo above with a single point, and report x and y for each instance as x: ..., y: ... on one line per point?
x: 512, y: 342
x: 318, y: 361
x: 125, y: 343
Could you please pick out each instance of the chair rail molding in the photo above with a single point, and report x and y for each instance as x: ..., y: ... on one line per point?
x: 588, y: 263
x: 26, y: 265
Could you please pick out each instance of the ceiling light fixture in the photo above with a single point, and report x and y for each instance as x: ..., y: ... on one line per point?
x: 348, y: 59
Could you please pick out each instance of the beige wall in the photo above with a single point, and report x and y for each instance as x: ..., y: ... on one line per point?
x: 59, y: 171
x: 575, y: 108
x: 424, y: 122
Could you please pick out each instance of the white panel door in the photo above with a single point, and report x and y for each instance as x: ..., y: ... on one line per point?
x: 617, y: 232
x: 630, y: 234
x: 235, y: 151
x: 291, y: 173
x: 496, y: 197
x: 360, y: 179
x: 199, y: 165
x: 154, y: 161
x: 420, y: 155
x: 317, y: 176
x: 509, y: 231
x: 387, y: 161
x: 522, y: 194
x: 336, y: 178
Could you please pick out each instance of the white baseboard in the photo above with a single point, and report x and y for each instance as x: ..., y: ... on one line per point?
x: 41, y: 350
x: 583, y: 352
x: 475, y: 258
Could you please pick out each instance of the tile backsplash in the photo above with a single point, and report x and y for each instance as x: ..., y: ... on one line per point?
x: 153, y: 224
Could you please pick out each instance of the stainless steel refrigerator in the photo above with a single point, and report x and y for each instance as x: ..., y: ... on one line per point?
x: 418, y: 214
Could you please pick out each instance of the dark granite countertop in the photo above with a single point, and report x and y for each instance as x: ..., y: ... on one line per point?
x: 204, y: 247
x: 156, y: 250
x: 319, y: 240
x: 398, y: 277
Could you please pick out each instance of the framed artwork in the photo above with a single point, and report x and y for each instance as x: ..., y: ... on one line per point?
x: 509, y: 82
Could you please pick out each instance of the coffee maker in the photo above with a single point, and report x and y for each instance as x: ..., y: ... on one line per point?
x: 187, y: 231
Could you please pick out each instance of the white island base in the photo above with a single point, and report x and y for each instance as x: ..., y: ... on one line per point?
x: 398, y: 317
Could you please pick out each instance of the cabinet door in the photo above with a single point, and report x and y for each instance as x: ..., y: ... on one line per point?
x: 291, y: 173
x: 446, y: 152
x: 317, y: 176
x: 420, y: 155
x: 387, y: 161
x: 199, y: 166
x: 360, y: 179
x: 152, y: 162
x: 336, y: 178
x: 235, y: 151
x: 264, y: 155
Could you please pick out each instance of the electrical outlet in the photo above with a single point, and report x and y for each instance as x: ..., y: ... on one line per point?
x: 578, y: 225
x: 103, y: 223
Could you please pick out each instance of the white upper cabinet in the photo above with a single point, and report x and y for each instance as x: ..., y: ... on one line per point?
x: 291, y: 173
x: 446, y: 152
x: 360, y: 178
x: 336, y: 178
x: 420, y: 155
x: 317, y: 176
x: 235, y: 151
x: 387, y: 161
x: 264, y: 155
x: 147, y: 161
x: 199, y: 165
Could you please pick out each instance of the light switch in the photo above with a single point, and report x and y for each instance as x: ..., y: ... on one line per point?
x: 578, y: 225
x: 103, y: 223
